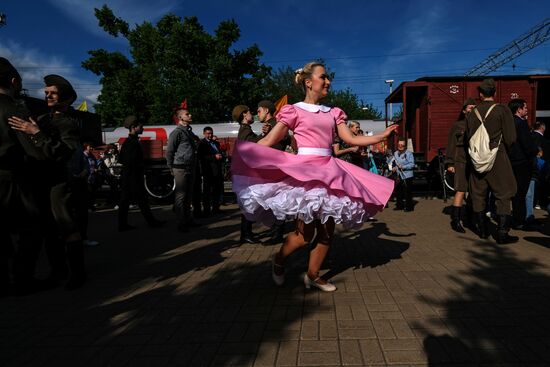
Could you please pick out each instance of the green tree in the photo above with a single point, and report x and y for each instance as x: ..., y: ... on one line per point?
x: 173, y: 60
x: 355, y: 109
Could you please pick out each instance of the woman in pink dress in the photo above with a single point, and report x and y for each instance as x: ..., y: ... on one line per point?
x: 312, y: 187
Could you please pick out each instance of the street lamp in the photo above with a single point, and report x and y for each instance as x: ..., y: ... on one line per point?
x: 390, y: 82
x: 2, y: 19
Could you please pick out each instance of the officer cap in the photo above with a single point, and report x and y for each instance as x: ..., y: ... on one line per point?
x: 238, y: 112
x: 7, y: 70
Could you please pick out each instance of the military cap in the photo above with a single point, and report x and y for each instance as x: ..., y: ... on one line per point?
x: 487, y: 84
x: 267, y: 104
x: 7, y: 70
x: 238, y: 112
x: 468, y: 102
x: 131, y: 120
x: 64, y: 88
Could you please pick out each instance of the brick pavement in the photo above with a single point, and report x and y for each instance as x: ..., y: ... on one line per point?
x: 410, y: 293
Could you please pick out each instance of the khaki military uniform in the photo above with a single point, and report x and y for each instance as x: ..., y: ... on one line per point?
x: 500, y: 179
x: 456, y: 155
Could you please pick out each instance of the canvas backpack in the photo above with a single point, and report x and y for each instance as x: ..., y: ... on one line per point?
x: 482, y: 156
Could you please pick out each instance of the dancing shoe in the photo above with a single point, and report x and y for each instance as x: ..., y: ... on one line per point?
x: 277, y: 279
x: 326, y: 287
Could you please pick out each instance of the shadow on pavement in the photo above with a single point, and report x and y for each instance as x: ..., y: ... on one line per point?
x: 497, y: 312
x: 367, y: 249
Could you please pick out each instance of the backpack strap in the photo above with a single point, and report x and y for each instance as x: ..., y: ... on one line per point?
x: 486, y: 115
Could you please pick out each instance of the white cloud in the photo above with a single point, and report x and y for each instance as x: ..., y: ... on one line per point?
x: 133, y: 12
x: 33, y: 65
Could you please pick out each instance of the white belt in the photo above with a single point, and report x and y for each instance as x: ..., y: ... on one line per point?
x: 315, y: 151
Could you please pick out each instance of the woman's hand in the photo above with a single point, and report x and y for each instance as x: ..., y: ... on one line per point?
x: 389, y: 130
x: 28, y: 127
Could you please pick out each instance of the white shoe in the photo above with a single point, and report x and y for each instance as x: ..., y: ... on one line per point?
x: 327, y: 287
x: 277, y: 279
x: 90, y: 243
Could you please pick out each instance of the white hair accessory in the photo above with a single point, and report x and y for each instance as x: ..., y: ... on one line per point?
x: 298, y: 71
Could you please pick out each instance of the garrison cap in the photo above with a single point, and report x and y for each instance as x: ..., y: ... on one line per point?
x: 64, y: 88
x: 238, y: 112
x: 469, y: 101
x: 132, y: 120
x: 487, y: 84
x: 267, y: 104
x: 7, y: 70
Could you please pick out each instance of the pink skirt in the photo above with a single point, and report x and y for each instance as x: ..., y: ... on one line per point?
x: 312, y: 185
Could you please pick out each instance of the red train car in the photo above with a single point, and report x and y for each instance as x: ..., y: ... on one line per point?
x: 432, y: 104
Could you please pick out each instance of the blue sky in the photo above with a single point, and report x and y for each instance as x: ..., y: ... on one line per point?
x: 363, y: 42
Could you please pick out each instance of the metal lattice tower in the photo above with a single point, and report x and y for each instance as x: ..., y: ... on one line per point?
x: 536, y: 36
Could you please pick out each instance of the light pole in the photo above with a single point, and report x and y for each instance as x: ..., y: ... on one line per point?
x: 390, y: 82
x: 2, y: 19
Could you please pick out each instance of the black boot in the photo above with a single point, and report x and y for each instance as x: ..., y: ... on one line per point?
x: 481, y: 225
x: 75, y: 257
x: 455, y: 219
x: 468, y: 219
x: 246, y: 231
x: 502, y: 236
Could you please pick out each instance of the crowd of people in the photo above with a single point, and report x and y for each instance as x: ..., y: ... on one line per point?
x: 511, y: 180
x: 326, y: 172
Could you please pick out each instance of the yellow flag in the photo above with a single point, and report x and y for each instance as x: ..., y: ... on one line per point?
x: 280, y: 103
x: 83, y: 107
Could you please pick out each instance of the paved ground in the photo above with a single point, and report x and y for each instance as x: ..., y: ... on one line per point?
x: 410, y: 292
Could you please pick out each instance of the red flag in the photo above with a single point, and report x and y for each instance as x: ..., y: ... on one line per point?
x: 280, y: 103
x: 184, y: 103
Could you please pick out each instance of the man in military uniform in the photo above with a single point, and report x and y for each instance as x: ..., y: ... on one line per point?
x: 18, y: 209
x: 500, y: 179
x: 56, y: 138
x: 243, y: 116
x: 132, y: 177
x: 266, y: 115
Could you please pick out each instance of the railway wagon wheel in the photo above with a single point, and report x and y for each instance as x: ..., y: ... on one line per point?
x: 160, y: 184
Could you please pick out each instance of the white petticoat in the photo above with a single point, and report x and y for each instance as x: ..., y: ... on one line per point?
x: 268, y: 202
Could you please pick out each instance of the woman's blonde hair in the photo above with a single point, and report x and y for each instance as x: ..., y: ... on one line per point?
x: 354, y: 123
x: 305, y: 72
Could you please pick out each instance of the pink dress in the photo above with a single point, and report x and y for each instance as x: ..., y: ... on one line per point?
x: 271, y: 184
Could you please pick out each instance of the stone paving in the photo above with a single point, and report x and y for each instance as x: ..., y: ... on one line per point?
x: 410, y: 293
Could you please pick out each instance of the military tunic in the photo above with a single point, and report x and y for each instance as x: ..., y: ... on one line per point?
x: 456, y: 155
x: 499, y: 123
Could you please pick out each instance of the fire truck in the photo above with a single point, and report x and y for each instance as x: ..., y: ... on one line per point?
x: 159, y: 183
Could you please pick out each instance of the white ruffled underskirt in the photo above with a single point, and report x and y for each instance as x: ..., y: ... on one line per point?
x: 268, y: 202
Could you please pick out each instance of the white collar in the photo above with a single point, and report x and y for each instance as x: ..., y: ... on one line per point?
x: 312, y: 107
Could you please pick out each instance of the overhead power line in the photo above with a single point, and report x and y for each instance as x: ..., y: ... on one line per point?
x: 527, y: 41
x: 381, y: 55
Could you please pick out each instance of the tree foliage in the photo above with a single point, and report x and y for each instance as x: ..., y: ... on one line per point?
x: 173, y: 60
x: 177, y: 59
